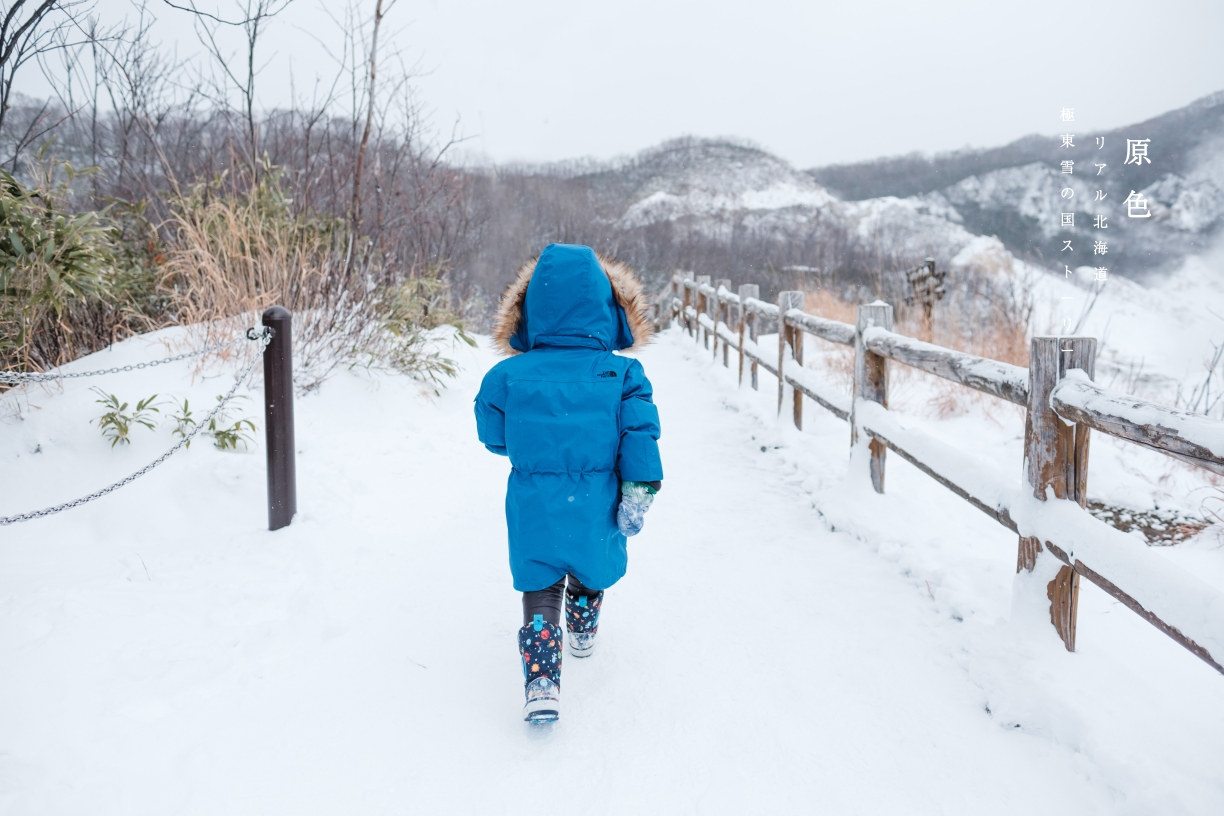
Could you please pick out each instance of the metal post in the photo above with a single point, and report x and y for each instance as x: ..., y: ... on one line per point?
x: 278, y: 418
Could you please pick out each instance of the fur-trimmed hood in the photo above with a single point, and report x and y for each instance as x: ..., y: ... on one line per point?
x: 570, y: 296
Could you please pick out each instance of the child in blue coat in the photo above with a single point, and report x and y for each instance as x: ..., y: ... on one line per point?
x: 581, y: 431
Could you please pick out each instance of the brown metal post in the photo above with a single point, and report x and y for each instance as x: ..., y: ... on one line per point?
x: 278, y: 418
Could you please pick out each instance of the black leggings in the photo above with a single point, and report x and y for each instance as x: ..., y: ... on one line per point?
x: 547, y: 601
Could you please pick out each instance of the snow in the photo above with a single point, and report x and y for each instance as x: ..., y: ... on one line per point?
x: 832, y: 330
x: 1032, y: 189
x: 762, y: 308
x: 970, y: 368
x: 712, y: 182
x: 785, y: 194
x: 786, y: 640
x: 1177, y: 597
x: 752, y: 350
x: 977, y: 475
x: 1174, y: 595
x: 810, y: 383
x: 1077, y: 391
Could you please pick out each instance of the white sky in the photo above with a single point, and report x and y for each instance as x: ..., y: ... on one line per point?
x: 814, y: 82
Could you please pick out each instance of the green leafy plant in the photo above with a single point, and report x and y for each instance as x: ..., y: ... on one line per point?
x: 182, y: 419
x: 230, y: 436
x: 72, y: 281
x: 411, y: 314
x: 117, y: 424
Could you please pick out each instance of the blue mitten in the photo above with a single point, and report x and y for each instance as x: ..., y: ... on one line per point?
x: 635, y: 501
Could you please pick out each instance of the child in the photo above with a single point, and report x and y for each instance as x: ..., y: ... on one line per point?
x: 581, y: 431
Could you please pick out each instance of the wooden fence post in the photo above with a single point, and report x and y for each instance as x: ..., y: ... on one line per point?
x: 671, y: 293
x: 700, y: 308
x: 686, y: 297
x: 871, y: 380
x: 719, y: 305
x: 747, y: 323
x: 787, y: 335
x: 1056, y: 458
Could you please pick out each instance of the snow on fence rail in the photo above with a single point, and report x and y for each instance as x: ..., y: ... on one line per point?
x: 276, y: 345
x: 1190, y: 437
x: 1056, y: 535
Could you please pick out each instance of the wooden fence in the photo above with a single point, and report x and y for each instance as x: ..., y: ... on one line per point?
x: 1062, y: 404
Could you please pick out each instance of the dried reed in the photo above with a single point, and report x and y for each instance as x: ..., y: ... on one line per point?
x: 233, y: 256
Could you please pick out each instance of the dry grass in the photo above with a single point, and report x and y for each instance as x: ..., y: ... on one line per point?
x: 232, y: 257
x: 823, y: 303
x: 990, y: 321
x: 836, y: 361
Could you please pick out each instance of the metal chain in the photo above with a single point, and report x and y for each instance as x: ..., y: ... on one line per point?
x: 19, y: 377
x: 264, y: 336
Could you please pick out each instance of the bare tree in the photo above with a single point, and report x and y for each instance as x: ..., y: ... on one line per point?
x: 369, y: 120
x: 254, y: 16
x: 29, y: 30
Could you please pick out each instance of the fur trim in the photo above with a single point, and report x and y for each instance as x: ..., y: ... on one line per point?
x: 510, y: 309
x: 632, y: 298
x: 626, y: 288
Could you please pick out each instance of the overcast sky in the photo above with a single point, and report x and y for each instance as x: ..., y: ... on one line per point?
x: 814, y: 82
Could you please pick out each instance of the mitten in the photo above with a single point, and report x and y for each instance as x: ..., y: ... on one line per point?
x: 635, y: 501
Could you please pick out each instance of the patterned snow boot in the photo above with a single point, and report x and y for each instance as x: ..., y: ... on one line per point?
x: 540, y: 646
x: 582, y: 621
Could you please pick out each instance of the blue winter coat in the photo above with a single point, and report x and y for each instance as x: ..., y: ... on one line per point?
x: 574, y: 418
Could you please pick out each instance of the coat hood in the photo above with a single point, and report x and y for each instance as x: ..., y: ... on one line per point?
x: 570, y: 296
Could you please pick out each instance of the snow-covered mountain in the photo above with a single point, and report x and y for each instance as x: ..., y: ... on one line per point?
x: 1017, y: 191
x: 726, y: 203
x: 733, y: 195
x: 716, y: 179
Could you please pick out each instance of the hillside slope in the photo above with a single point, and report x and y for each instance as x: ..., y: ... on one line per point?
x: 786, y: 640
x: 1013, y: 191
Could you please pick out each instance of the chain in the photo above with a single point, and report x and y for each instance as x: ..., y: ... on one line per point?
x: 19, y: 377
x: 264, y: 336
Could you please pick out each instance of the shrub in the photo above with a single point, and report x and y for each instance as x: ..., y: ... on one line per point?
x: 235, y: 254
x: 67, y: 286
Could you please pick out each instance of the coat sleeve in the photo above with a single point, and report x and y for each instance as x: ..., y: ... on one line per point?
x: 491, y: 412
x: 638, y: 459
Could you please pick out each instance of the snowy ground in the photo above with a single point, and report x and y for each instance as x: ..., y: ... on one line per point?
x: 786, y: 641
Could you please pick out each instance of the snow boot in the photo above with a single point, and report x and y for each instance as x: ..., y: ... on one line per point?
x: 582, y: 621
x: 540, y: 647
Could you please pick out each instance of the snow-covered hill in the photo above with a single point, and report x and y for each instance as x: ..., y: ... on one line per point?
x: 725, y: 192
x: 786, y: 640
x: 717, y: 180
x: 729, y: 204
x: 1014, y: 191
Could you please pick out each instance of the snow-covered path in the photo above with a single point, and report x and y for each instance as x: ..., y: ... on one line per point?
x: 162, y: 653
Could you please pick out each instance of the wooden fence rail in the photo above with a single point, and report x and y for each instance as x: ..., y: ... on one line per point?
x: 1062, y: 406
